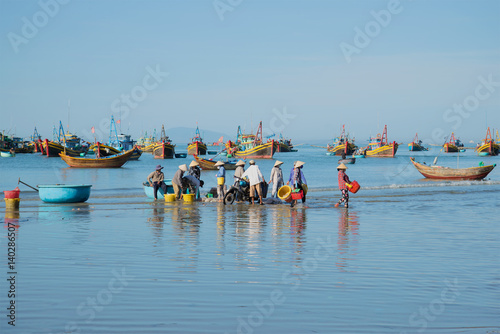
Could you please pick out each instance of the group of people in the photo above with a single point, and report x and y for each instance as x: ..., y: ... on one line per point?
x: 253, y: 175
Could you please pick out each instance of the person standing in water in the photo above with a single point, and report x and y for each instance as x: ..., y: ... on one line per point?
x: 298, y: 180
x: 221, y: 174
x: 343, y: 181
x: 256, y: 179
x: 276, y: 178
x: 177, y: 181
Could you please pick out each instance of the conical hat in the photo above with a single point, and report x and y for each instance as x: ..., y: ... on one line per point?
x: 342, y: 166
x: 194, y: 163
x: 240, y: 163
x: 277, y: 163
x: 299, y: 164
x: 183, y: 168
x: 219, y: 163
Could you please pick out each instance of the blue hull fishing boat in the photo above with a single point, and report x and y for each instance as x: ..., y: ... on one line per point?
x: 64, y: 193
x: 148, y: 190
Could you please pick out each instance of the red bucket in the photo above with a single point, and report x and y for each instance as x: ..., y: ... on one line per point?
x: 12, y: 193
x: 297, y: 195
x: 354, y: 187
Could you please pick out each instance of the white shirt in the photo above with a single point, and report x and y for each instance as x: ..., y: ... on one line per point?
x: 254, y: 175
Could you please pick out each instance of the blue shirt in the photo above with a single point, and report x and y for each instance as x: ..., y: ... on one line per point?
x: 221, y: 172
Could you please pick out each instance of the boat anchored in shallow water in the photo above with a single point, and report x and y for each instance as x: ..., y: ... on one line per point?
x: 197, y: 147
x: 252, y: 146
x: 488, y: 146
x: 164, y: 149
x: 342, y: 145
x: 447, y: 173
x: 454, y: 145
x: 380, y: 146
x: 416, y: 145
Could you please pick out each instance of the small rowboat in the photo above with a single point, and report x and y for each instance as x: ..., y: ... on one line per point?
x: 446, y: 173
x: 206, y: 164
x: 113, y: 161
x: 347, y: 161
x: 148, y: 190
x: 64, y: 193
x: 181, y: 155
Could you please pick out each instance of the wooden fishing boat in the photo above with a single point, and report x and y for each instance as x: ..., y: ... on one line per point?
x: 136, y: 155
x: 453, y: 145
x: 64, y: 193
x: 284, y: 145
x: 52, y: 149
x: 416, y: 145
x: 347, y: 161
x: 342, y: 144
x: 207, y: 164
x: 113, y: 161
x: 488, y: 146
x: 197, y: 147
x: 104, y: 150
x: 252, y: 146
x: 446, y: 173
x: 380, y: 146
x: 148, y: 190
x: 164, y: 149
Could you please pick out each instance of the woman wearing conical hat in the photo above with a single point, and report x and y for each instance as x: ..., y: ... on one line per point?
x: 297, y: 180
x: 343, y: 180
x: 276, y: 178
x: 194, y: 169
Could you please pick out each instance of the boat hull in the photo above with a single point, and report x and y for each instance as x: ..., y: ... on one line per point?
x: 197, y: 148
x: 114, y: 161
x: 491, y: 148
x: 282, y: 147
x: 62, y: 193
x: 386, y: 151
x: 339, y: 149
x: 136, y: 155
x: 7, y: 154
x: 105, y: 150
x: 449, y: 148
x: 414, y: 147
x: 445, y: 173
x: 52, y: 149
x: 148, y: 190
x: 206, y: 164
x: 264, y: 151
x: 164, y: 151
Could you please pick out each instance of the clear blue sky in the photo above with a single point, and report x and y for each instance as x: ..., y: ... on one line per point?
x: 263, y: 56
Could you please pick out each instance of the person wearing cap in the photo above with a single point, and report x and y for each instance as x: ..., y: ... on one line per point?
x: 276, y: 178
x: 155, y: 179
x: 177, y: 181
x: 221, y: 174
x: 256, y: 178
x: 343, y: 180
x: 298, y: 180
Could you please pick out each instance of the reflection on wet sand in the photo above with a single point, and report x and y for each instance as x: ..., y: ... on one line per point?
x: 155, y: 221
x: 298, y: 225
x: 348, y: 233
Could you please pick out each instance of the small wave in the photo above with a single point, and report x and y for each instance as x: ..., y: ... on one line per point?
x: 427, y: 184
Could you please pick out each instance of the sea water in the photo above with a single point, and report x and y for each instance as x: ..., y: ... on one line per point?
x: 409, y: 255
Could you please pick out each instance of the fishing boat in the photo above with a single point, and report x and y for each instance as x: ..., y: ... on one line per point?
x: 4, y: 153
x: 62, y: 141
x: 149, y: 190
x: 488, y: 146
x: 147, y: 143
x: 252, y: 146
x: 208, y: 164
x: 104, y: 150
x: 64, y: 193
x: 196, y: 146
x: 380, y: 146
x: 342, y: 144
x: 112, y: 161
x: 453, y: 145
x: 447, y: 173
x: 284, y: 145
x: 416, y: 145
x: 164, y: 149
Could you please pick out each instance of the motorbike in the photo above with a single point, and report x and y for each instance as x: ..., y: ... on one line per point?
x: 240, y: 190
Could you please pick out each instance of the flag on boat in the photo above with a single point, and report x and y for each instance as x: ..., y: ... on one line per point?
x: 92, y: 129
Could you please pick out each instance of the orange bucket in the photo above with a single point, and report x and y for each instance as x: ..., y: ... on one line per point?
x: 12, y: 193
